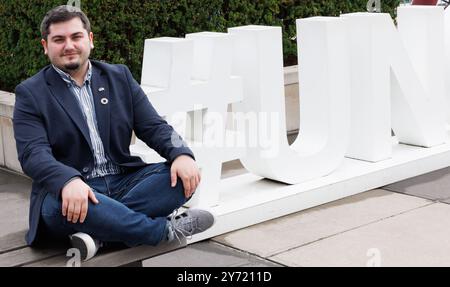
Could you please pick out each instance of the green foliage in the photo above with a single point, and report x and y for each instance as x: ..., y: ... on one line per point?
x: 290, y: 10
x: 120, y: 27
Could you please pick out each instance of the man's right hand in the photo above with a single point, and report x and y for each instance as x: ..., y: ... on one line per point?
x: 75, y: 196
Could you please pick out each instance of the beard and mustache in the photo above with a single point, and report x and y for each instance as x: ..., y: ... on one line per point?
x: 72, y: 67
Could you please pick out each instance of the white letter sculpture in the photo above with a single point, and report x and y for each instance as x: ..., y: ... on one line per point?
x: 186, y: 76
x: 359, y: 77
x: 324, y: 78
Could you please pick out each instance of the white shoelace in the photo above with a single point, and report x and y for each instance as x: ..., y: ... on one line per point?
x: 180, y: 230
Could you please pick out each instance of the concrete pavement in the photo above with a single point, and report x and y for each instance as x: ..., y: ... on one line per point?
x: 403, y: 224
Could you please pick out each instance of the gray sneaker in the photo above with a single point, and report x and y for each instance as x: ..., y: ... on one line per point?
x: 191, y: 222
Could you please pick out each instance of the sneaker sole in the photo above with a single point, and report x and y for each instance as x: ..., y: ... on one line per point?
x: 85, y: 244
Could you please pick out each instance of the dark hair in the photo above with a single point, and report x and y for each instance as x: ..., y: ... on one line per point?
x: 60, y: 14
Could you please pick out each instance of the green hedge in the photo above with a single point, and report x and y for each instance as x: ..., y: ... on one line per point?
x: 120, y: 27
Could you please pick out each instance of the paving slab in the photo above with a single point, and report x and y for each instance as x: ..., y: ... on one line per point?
x: 207, y: 254
x: 445, y: 201
x: 15, y: 206
x: 288, y: 232
x: 420, y: 237
x: 112, y: 256
x: 14, y: 216
x: 434, y: 185
x: 13, y: 241
x: 14, y: 196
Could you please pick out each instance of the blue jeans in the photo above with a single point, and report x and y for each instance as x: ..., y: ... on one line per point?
x: 132, y: 207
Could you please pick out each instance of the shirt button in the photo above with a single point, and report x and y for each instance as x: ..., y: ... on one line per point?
x: 86, y: 169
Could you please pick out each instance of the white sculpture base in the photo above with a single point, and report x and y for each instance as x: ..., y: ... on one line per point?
x: 247, y: 199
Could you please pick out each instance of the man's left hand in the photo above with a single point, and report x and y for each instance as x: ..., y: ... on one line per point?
x: 185, y: 168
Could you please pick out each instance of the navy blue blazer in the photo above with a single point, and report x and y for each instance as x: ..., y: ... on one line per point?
x: 52, y: 136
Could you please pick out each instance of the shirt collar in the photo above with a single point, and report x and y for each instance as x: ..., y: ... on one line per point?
x: 68, y: 79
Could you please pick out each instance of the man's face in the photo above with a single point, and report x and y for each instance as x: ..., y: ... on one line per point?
x: 68, y: 45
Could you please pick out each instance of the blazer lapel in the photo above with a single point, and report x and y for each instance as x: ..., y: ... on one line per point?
x: 100, y: 92
x: 68, y: 101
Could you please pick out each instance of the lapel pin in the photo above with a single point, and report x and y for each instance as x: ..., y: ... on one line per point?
x: 104, y: 101
x: 101, y: 89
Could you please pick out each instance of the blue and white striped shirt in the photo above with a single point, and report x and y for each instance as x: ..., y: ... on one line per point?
x: 102, y: 164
